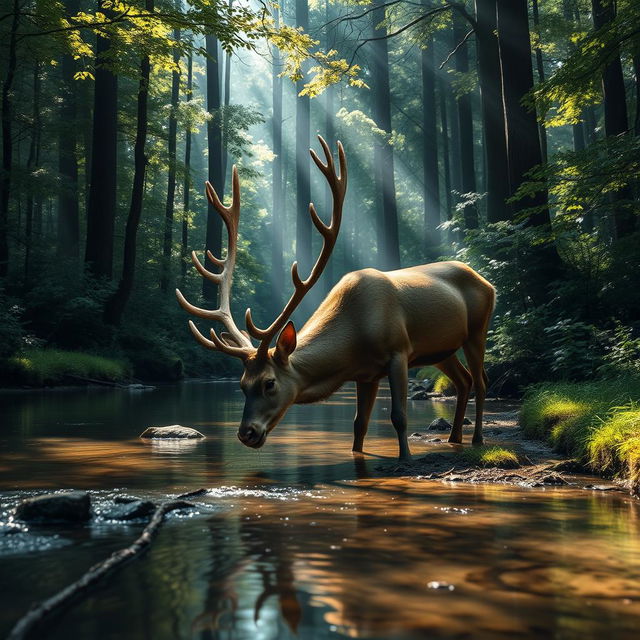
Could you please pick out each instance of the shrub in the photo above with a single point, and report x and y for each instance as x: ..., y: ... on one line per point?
x: 53, y: 366
x: 492, y: 456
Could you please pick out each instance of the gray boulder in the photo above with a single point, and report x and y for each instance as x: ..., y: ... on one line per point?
x: 130, y: 510
x: 439, y: 425
x: 70, y: 506
x: 174, y: 432
x: 466, y: 421
x: 419, y: 395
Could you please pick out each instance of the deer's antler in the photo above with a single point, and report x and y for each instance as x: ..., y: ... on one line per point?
x: 338, y: 185
x: 237, y: 343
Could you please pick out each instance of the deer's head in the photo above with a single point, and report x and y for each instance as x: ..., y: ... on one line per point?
x: 269, y: 383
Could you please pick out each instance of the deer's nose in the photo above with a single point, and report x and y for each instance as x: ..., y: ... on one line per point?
x: 250, y: 435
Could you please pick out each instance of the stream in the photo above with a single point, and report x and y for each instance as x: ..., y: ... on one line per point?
x: 300, y: 539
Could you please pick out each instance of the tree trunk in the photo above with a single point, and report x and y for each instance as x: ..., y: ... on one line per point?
x: 184, y: 246
x: 33, y: 162
x: 615, y: 114
x: 636, y: 73
x: 101, y: 209
x: 523, y: 144
x: 446, y: 162
x: 465, y: 124
x: 116, y: 304
x: 7, y: 142
x: 542, y: 130
x: 492, y: 111
x: 577, y: 129
x: 225, y: 123
x: 388, y: 244
x: 171, y: 178
x: 303, y: 167
x: 68, y: 245
x: 216, y: 177
x: 431, y: 186
x: 330, y: 137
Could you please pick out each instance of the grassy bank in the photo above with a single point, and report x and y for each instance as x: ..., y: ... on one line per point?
x: 598, y: 423
x: 45, y: 367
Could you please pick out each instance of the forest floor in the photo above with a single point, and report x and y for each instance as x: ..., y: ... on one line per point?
x: 538, y: 465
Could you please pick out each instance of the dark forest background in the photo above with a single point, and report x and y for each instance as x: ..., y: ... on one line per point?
x: 503, y: 133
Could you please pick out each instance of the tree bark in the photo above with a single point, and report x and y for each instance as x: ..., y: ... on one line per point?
x: 616, y: 121
x: 68, y: 245
x: 446, y: 161
x: 523, y: 143
x: 387, y: 236
x: 431, y: 183
x: 184, y: 245
x: 465, y: 123
x: 216, y: 177
x: 303, y: 167
x: 330, y: 137
x: 495, y: 144
x: 101, y: 208
x: 116, y: 304
x: 171, y: 177
x: 277, y: 211
x: 542, y: 130
x: 7, y: 142
x: 33, y: 162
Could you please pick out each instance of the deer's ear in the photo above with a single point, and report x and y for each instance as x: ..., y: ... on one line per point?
x: 286, y: 343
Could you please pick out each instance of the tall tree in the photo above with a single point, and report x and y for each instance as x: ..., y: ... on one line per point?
x: 616, y: 121
x: 171, y: 177
x: 387, y: 227
x: 465, y: 120
x: 521, y: 126
x: 101, y: 207
x: 7, y: 140
x: 277, y: 212
x: 329, y: 132
x: 431, y: 186
x: 542, y: 130
x: 33, y: 161
x: 446, y: 161
x: 116, y: 304
x: 186, y: 198
x: 213, y: 240
x: 577, y: 128
x: 303, y: 166
x: 495, y: 145
x: 68, y: 206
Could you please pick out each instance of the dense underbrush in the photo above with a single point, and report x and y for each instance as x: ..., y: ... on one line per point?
x: 596, y: 422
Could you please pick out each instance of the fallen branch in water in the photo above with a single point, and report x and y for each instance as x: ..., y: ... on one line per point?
x: 80, y: 587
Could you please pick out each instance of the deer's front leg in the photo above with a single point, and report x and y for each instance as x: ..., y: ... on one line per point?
x: 366, y: 396
x: 398, y: 381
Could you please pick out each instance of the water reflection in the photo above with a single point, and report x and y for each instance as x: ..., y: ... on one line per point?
x: 302, y: 539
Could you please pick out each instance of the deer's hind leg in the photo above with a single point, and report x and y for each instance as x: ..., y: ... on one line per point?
x: 366, y: 396
x: 398, y: 382
x: 474, y: 352
x: 461, y: 378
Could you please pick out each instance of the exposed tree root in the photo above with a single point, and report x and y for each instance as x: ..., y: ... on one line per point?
x: 81, y: 587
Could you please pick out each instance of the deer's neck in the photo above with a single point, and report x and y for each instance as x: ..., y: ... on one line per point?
x: 321, y: 366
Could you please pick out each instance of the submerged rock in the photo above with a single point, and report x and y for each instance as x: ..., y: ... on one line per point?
x: 419, y: 395
x: 130, y: 510
x: 174, y: 431
x: 70, y: 506
x: 466, y: 421
x: 439, y: 425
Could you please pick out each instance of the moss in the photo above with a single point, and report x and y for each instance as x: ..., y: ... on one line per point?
x: 594, y: 422
x: 52, y: 366
x: 491, y: 457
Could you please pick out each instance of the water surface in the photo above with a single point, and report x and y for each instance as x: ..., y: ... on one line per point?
x: 301, y: 539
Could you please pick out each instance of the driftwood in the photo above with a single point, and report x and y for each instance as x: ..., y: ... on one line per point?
x: 81, y: 587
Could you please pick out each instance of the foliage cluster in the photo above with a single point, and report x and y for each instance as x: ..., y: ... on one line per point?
x: 596, y: 422
x: 491, y: 456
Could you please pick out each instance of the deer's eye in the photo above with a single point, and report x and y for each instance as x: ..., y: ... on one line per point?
x: 269, y: 385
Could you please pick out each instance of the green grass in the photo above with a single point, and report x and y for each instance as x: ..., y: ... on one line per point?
x: 595, y: 422
x: 52, y: 366
x: 491, y: 456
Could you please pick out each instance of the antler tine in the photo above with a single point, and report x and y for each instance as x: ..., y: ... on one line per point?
x: 214, y: 277
x: 338, y: 185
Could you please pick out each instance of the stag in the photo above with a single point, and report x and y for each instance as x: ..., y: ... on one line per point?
x: 371, y: 325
